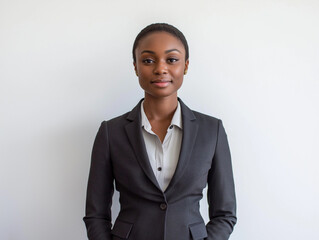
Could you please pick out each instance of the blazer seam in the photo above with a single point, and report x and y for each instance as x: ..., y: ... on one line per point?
x: 217, y: 138
x: 108, y: 146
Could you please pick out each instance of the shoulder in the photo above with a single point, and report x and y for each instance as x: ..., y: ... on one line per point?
x: 207, y: 123
x: 198, y: 116
x: 116, y: 121
x: 205, y: 117
x: 125, y: 118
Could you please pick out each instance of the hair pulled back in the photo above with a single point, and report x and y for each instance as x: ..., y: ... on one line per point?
x: 161, y: 27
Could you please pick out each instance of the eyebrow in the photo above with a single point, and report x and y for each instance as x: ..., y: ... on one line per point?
x: 167, y: 51
x: 172, y: 50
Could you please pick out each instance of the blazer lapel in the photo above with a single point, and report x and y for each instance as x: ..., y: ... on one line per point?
x: 135, y: 136
x: 190, y: 128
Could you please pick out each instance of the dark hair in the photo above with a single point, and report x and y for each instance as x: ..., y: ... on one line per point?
x: 161, y: 27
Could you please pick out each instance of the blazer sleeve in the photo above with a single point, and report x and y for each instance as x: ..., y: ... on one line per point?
x: 221, y: 191
x: 100, y: 189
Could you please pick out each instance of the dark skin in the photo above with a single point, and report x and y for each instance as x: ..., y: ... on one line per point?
x: 160, y: 66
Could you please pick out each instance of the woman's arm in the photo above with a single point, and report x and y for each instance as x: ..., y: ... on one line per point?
x: 100, y: 189
x: 221, y: 191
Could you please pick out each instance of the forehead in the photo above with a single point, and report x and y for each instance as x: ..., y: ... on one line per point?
x: 160, y: 41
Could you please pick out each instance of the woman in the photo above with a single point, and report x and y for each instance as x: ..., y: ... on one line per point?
x: 161, y: 155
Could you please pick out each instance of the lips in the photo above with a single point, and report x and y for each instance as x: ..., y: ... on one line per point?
x: 161, y: 83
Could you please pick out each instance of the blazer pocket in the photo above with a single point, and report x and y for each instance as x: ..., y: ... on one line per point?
x: 121, y: 229
x: 198, y: 231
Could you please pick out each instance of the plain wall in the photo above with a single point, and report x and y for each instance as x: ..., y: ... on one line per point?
x: 65, y: 66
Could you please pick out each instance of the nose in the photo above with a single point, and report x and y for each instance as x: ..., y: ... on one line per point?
x: 160, y: 68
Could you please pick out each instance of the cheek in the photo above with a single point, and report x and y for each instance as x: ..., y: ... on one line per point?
x: 142, y: 84
x: 178, y: 71
x: 143, y: 71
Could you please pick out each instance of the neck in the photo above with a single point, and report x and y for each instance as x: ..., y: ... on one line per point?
x: 160, y: 108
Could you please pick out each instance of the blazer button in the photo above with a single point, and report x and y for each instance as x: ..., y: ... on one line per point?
x: 163, y: 206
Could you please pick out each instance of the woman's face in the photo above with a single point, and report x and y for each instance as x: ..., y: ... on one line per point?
x: 160, y: 64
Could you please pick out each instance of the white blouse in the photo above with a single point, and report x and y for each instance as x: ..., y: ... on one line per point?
x: 164, y: 156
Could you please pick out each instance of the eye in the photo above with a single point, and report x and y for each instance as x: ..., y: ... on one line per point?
x: 147, y: 60
x: 172, y: 60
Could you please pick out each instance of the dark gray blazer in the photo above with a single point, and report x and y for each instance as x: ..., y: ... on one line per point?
x: 148, y: 213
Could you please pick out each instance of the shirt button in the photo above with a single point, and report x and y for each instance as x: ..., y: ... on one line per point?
x: 170, y: 127
x: 163, y: 206
x: 159, y: 169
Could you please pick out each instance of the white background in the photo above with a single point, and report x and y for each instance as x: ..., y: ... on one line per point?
x: 66, y: 65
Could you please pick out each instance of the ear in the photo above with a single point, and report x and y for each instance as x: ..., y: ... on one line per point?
x: 186, y: 65
x: 135, y: 68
